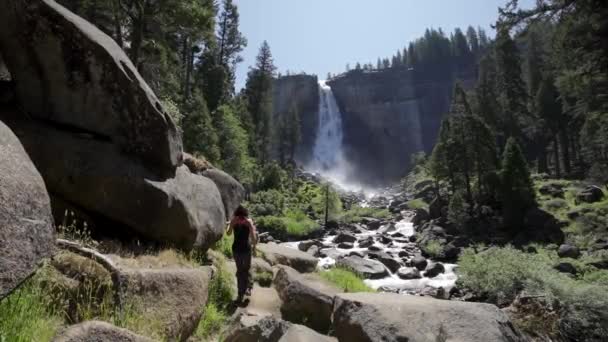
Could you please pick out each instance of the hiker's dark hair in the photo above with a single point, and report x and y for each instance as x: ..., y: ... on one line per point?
x: 241, y: 211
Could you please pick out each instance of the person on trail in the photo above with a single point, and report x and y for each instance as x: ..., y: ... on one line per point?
x: 245, y: 239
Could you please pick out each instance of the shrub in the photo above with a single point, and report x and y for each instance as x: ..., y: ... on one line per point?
x: 267, y: 203
x: 345, y: 279
x: 224, y: 245
x: 356, y: 213
x: 433, y: 248
x: 294, y: 223
x: 417, y: 204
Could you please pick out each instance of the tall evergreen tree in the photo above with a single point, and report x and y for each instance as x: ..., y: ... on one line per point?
x: 199, y: 135
x: 473, y: 40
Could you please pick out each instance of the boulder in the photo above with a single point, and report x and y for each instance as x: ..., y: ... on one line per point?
x: 313, y: 250
x: 420, y: 216
x: 176, y: 296
x: 552, y: 189
x: 542, y: 227
x: 568, y: 251
x: 383, y: 317
x: 305, y: 245
x: 419, y: 262
x: 345, y: 245
x: 434, y: 270
x: 280, y: 255
x: 306, y: 298
x: 371, y: 223
x: 370, y: 269
x: 388, y: 261
x: 98, y: 331
x: 247, y: 327
x: 69, y: 73
x: 185, y: 209
x: 565, y: 267
x: 232, y: 192
x: 26, y: 221
x: 409, y: 273
x: 590, y: 194
x: 366, y: 242
x: 344, y: 237
x: 436, y: 208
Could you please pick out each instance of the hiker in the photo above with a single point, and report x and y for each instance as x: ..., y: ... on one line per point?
x: 245, y: 239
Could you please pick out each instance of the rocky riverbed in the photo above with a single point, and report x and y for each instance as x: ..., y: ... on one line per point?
x: 384, y: 252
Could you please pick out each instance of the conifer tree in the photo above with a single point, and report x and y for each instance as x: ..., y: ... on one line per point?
x: 517, y: 193
x: 234, y: 144
x: 473, y: 41
x: 199, y: 135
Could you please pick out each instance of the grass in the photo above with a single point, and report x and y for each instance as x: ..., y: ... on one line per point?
x: 356, y: 213
x: 502, y: 273
x: 224, y: 245
x: 221, y: 293
x: 27, y: 315
x: 345, y: 279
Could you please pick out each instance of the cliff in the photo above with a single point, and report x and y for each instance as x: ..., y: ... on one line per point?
x: 302, y: 92
x: 388, y: 115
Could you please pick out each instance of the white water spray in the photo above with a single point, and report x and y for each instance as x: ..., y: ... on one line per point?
x: 328, y: 155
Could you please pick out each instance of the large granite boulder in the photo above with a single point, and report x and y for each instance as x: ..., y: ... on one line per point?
x: 306, y: 299
x: 92, y: 331
x: 370, y: 269
x: 26, y: 222
x: 590, y: 194
x: 185, y: 210
x: 233, y: 193
x: 247, y: 327
x: 391, y: 317
x: 69, y: 73
x: 281, y: 255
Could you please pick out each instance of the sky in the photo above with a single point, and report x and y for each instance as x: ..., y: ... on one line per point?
x: 321, y: 36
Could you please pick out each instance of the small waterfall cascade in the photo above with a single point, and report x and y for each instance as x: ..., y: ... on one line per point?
x: 327, y: 155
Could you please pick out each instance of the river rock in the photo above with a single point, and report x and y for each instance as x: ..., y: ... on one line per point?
x: 248, y: 327
x: 374, y: 248
x: 370, y: 269
x: 313, y: 250
x: 26, y: 222
x: 305, y: 245
x: 388, y: 261
x: 345, y: 237
x: 299, y: 333
x: 280, y: 255
x: 373, y: 317
x: 70, y: 73
x: 306, y: 299
x: 434, y: 270
x: 232, y: 192
x: 371, y: 223
x: 345, y: 245
x: 590, y: 194
x: 409, y: 273
x: 366, y: 242
x: 568, y: 251
x: 419, y: 262
x: 90, y: 331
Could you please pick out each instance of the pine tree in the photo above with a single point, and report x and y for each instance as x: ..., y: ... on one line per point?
x: 412, y: 55
x: 459, y: 211
x: 234, y: 145
x: 259, y: 97
x: 199, y: 135
x: 473, y: 41
x: 517, y: 193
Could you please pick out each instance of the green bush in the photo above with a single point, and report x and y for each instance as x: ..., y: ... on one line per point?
x: 266, y: 203
x: 224, y: 245
x: 433, y: 248
x: 345, y: 279
x: 356, y: 213
x: 417, y: 204
x: 294, y: 223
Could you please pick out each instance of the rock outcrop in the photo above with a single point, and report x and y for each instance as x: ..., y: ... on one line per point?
x: 26, y: 222
x: 99, y: 136
x: 280, y: 255
x: 232, y: 192
x: 253, y: 328
x: 98, y: 331
x: 369, y: 317
x: 306, y: 299
x: 370, y: 269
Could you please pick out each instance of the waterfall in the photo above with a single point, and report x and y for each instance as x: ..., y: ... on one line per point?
x: 327, y: 154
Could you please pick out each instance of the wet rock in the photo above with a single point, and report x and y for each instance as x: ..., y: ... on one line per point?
x: 360, y: 317
x: 420, y: 263
x: 366, y: 242
x: 313, y: 250
x: 434, y: 270
x: 565, y: 267
x: 385, y: 239
x: 305, y: 245
x: 388, y: 228
x: 369, y: 269
x: 568, y: 251
x: 590, y: 194
x: 403, y: 254
x: 374, y: 248
x: 357, y: 253
x: 345, y: 245
x: 280, y: 255
x: 388, y: 261
x: 413, y: 238
x: 306, y: 299
x: 435, y: 292
x: 345, y: 237
x: 371, y: 223
x: 26, y: 222
x: 409, y: 273
x: 98, y: 331
x: 420, y: 216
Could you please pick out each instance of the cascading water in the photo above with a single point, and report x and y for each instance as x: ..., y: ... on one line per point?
x: 327, y: 156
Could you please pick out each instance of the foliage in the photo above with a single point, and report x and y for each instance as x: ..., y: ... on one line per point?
x: 345, y: 279
x: 267, y: 203
x: 234, y: 150
x: 224, y: 245
x: 199, y: 135
x: 459, y: 210
x: 433, y: 248
x: 355, y: 213
x: 272, y: 177
x: 327, y: 197
x: 417, y: 204
x: 294, y: 223
x: 221, y: 292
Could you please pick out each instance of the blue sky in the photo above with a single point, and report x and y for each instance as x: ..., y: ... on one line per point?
x: 321, y: 36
